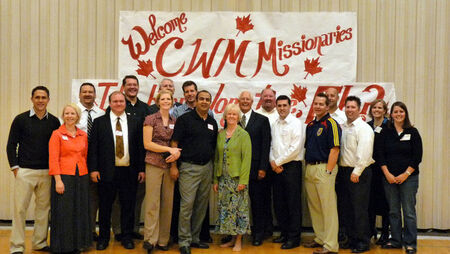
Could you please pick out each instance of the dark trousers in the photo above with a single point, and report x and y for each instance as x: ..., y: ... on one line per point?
x: 124, y: 183
x: 287, y: 200
x: 353, y: 205
x: 261, y: 202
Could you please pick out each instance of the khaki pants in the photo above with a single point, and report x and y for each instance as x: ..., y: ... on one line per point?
x: 321, y: 197
x: 158, y: 205
x: 27, y: 182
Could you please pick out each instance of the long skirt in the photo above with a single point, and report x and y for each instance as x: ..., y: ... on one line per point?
x: 70, y: 227
x: 234, y: 208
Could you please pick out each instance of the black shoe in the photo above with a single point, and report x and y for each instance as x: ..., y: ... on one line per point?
x: 200, y: 245
x: 208, y: 240
x: 384, y: 238
x: 44, y: 249
x: 94, y: 236
x: 118, y: 237
x: 147, y: 245
x: 163, y: 248
x: 410, y: 250
x: 280, y: 239
x: 360, y: 249
x: 128, y: 244
x: 290, y: 245
x: 137, y: 236
x: 102, y: 245
x: 17, y: 252
x: 226, y: 239
x: 185, y: 250
x: 345, y: 245
x: 389, y: 245
x: 257, y: 242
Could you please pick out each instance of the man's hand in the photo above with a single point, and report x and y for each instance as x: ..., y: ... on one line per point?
x: 216, y: 187
x: 240, y: 187
x: 59, y: 187
x: 174, y: 174
x: 174, y: 154
x: 141, y: 177
x: 390, y: 178
x: 95, y: 176
x: 354, y: 178
x: 15, y: 171
x: 261, y: 174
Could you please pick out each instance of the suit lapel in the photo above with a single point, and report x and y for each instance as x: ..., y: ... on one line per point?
x: 108, y: 127
x: 251, y: 120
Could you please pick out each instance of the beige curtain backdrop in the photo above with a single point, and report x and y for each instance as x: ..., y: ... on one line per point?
x: 51, y: 42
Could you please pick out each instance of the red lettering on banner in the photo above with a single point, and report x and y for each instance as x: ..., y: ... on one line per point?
x: 380, y: 95
x: 206, y: 67
x: 268, y: 55
x: 156, y: 34
x: 159, y: 56
x: 232, y: 56
x: 217, y: 96
x: 152, y: 93
x: 106, y: 92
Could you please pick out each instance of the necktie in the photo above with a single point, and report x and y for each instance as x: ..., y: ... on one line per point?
x: 119, y: 139
x: 89, y: 123
x: 243, y: 120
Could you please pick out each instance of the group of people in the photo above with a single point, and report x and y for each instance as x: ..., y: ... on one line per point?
x: 168, y: 155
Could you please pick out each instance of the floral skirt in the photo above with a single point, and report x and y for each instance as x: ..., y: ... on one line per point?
x: 233, y: 207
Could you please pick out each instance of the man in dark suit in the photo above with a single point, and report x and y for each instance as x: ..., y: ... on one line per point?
x: 258, y: 128
x: 116, y: 162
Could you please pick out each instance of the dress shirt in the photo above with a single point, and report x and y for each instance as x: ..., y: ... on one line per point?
x: 183, y: 109
x: 357, y: 146
x: 125, y: 160
x: 95, y: 112
x: 339, y: 116
x: 288, y: 140
x: 67, y: 152
x: 272, y: 115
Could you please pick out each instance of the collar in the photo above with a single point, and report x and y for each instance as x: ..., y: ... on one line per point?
x: 131, y: 104
x: 325, y: 117
x: 248, y: 114
x: 64, y: 131
x: 188, y: 107
x: 32, y: 113
x: 94, y: 108
x: 289, y: 118
x: 159, y: 115
x: 357, y: 122
x: 122, y: 117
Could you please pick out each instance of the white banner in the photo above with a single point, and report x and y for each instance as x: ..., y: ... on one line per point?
x: 238, y: 47
x: 223, y: 93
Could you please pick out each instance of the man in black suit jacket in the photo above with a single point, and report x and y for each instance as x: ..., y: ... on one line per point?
x: 116, y: 162
x: 258, y: 127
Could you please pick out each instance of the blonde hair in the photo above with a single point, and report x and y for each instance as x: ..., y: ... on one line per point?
x: 161, y: 93
x: 232, y: 107
x: 76, y: 108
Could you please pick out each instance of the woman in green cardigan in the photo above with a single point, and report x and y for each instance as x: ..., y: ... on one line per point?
x: 231, y: 173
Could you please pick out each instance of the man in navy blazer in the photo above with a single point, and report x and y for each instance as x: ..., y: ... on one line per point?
x: 116, y: 162
x: 258, y: 127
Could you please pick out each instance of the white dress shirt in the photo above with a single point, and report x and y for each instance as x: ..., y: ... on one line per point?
x: 95, y: 112
x: 339, y: 116
x: 272, y: 115
x: 288, y: 140
x: 125, y: 160
x: 356, y: 146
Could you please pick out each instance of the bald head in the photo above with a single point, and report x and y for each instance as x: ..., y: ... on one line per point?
x: 333, y: 97
x: 245, y: 101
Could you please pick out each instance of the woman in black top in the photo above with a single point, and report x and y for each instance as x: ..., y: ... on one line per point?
x: 378, y: 203
x: 399, y: 152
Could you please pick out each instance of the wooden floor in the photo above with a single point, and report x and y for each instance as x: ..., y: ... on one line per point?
x: 425, y: 246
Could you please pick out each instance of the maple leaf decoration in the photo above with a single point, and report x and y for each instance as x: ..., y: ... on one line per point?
x: 243, y: 24
x: 299, y: 93
x: 312, y: 67
x: 145, y: 68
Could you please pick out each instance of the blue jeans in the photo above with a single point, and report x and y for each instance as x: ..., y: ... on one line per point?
x: 403, y: 197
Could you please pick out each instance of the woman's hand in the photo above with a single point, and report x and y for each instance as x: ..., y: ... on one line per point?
x: 390, y: 178
x: 59, y: 187
x: 174, y: 154
x: 401, y: 178
x: 240, y: 187
x: 216, y: 187
x: 174, y: 174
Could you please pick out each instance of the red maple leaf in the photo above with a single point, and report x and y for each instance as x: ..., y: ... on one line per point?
x: 312, y: 66
x: 145, y: 68
x: 243, y: 24
x: 299, y: 93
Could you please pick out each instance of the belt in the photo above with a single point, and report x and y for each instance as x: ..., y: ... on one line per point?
x: 198, y: 162
x: 315, y: 162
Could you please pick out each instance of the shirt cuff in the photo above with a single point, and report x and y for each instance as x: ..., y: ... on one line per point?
x: 357, y: 171
x: 14, y: 167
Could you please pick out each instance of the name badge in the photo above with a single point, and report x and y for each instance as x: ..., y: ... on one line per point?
x: 171, y: 126
x: 64, y: 137
x: 119, y: 133
x: 210, y: 126
x: 378, y: 129
x: 406, y: 137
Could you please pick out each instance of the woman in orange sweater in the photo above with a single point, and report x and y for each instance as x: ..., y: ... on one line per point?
x: 70, y: 228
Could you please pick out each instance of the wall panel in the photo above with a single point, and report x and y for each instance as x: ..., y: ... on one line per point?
x: 52, y: 42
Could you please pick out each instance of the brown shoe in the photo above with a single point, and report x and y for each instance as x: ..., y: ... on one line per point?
x: 324, y: 251
x: 312, y: 244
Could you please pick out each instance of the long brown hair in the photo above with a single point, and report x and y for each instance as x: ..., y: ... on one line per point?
x: 385, y: 107
x: 407, y: 122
